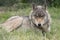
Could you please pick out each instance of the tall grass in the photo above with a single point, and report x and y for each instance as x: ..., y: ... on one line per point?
x: 31, y: 34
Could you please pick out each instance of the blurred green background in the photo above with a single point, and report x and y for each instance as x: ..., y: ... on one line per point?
x: 10, y: 8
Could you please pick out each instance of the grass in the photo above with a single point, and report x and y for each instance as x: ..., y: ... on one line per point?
x: 31, y: 34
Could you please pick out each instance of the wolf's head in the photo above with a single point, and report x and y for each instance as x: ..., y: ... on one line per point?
x: 38, y: 15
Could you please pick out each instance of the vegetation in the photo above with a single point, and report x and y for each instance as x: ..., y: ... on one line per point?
x: 54, y: 3
x: 10, y: 8
x: 31, y: 34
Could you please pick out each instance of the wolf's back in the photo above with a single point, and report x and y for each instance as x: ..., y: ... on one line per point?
x: 12, y: 23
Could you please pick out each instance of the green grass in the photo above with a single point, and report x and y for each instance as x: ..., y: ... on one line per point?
x: 31, y: 34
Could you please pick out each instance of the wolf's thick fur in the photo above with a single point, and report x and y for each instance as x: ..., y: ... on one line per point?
x: 16, y: 21
x: 45, y: 21
x: 39, y: 18
x: 12, y: 23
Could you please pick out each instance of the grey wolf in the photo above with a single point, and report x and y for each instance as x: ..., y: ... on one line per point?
x: 38, y: 17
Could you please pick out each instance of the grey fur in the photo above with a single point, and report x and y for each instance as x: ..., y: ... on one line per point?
x: 45, y: 25
x: 29, y: 21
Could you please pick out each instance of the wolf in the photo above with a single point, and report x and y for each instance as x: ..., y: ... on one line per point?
x: 38, y: 17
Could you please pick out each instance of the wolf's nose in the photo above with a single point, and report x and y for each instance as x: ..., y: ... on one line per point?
x: 39, y: 24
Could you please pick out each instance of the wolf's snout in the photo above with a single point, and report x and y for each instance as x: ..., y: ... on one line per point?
x: 39, y: 24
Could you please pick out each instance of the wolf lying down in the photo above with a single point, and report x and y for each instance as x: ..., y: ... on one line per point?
x: 39, y: 18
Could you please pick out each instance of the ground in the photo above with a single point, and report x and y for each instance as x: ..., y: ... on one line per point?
x: 31, y: 34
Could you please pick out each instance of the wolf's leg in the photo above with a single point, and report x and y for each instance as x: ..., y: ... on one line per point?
x: 44, y: 35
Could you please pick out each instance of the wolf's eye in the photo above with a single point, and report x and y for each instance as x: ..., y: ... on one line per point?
x: 41, y: 16
x: 36, y: 15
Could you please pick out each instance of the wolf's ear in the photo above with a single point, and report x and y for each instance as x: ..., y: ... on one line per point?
x: 45, y: 5
x: 34, y: 6
x: 44, y: 8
